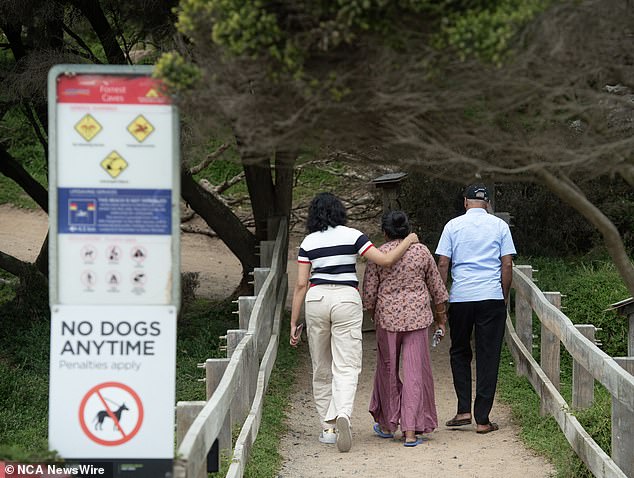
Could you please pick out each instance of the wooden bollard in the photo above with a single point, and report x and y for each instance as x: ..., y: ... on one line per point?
x: 549, y: 351
x: 214, y: 370
x: 245, y: 307
x: 623, y: 427
x: 582, y: 380
x: 259, y: 276
x: 524, y: 315
x: 186, y: 413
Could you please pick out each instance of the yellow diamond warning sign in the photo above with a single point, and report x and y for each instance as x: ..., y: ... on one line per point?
x: 88, y: 127
x: 140, y: 128
x: 114, y: 164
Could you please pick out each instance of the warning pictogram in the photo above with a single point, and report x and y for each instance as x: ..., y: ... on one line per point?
x: 114, y: 164
x: 138, y: 254
x: 113, y: 280
x: 140, y: 128
x: 111, y: 413
x: 88, y: 127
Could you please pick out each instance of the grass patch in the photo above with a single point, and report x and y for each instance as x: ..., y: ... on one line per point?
x: 265, y: 459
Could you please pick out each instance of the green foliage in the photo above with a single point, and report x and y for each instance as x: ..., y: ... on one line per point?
x: 199, y: 329
x: 177, y: 74
x: 24, y: 353
x: 265, y: 459
x: 20, y: 141
x: 486, y: 33
x: 542, y: 434
x: 288, y: 34
x: 589, y: 286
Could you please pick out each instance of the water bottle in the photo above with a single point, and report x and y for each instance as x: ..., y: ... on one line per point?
x: 437, y: 337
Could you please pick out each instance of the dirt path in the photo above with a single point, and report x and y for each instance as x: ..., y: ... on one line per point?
x: 447, y: 452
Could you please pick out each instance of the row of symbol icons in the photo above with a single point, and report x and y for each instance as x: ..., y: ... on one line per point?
x: 114, y: 164
x: 88, y: 128
x: 89, y: 254
x: 113, y: 279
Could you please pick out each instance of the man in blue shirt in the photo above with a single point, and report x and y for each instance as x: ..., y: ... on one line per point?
x: 480, y: 249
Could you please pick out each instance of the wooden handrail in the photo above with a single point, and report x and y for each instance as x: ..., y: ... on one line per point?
x: 586, y: 356
x: 244, y: 374
x: 603, y: 368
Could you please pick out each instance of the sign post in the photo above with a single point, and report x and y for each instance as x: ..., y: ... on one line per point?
x: 114, y: 267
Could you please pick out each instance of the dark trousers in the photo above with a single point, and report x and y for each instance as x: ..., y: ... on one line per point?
x: 488, y: 317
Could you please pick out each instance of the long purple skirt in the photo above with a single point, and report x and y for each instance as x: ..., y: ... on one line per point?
x: 410, y: 401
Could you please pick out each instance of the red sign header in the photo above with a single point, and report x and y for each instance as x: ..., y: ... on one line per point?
x: 111, y: 89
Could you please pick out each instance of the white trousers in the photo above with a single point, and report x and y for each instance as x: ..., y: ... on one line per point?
x: 334, y: 315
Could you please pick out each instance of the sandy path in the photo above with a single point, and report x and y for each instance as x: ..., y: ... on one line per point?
x: 447, y: 452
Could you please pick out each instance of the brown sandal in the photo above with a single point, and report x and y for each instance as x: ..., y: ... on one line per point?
x: 491, y: 427
x: 458, y: 422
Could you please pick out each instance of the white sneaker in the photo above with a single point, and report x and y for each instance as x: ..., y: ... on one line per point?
x: 328, y: 436
x: 344, y: 433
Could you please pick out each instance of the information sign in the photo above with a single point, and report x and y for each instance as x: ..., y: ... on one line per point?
x: 115, y: 186
x: 114, y: 267
x: 112, y: 376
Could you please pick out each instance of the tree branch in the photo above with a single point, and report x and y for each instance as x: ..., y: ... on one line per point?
x: 608, y: 230
x: 91, y: 56
x: 13, y: 265
x: 209, y: 159
x: 14, y: 170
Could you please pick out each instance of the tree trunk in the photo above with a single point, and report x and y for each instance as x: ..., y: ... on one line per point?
x: 14, y: 170
x: 269, y: 197
x: 93, y: 12
x: 611, y: 236
x: 222, y: 220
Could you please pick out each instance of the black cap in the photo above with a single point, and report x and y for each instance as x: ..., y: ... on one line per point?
x: 477, y: 191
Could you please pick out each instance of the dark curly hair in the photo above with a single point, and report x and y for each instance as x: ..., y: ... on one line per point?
x: 325, y: 210
x: 395, y: 225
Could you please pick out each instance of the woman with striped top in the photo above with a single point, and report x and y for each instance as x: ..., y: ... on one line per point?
x: 327, y: 283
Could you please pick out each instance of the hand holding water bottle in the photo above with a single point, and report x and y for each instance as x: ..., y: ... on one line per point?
x: 438, y: 335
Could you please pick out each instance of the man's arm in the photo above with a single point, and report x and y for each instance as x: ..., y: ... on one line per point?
x: 507, y: 276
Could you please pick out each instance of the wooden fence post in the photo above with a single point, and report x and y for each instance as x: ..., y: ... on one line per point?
x: 524, y: 315
x: 233, y: 339
x: 245, y: 307
x: 186, y: 413
x: 623, y: 427
x: 582, y: 380
x: 259, y: 276
x: 266, y: 253
x: 549, y: 351
x: 214, y: 370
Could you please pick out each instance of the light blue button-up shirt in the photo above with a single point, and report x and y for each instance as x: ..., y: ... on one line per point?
x: 475, y: 242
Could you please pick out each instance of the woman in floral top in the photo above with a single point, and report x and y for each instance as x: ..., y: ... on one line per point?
x: 400, y: 298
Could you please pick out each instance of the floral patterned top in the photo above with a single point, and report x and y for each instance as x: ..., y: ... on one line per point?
x: 400, y: 295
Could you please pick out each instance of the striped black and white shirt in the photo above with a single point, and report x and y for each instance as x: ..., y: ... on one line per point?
x: 332, y: 255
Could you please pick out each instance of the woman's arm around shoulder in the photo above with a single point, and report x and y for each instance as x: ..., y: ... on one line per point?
x: 387, y: 259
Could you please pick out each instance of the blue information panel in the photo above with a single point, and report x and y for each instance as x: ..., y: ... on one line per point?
x: 114, y: 211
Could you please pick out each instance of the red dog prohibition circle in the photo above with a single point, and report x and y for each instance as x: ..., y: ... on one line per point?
x: 95, y: 397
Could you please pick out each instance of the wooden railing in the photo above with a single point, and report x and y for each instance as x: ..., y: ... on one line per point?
x: 590, y: 363
x: 236, y: 385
